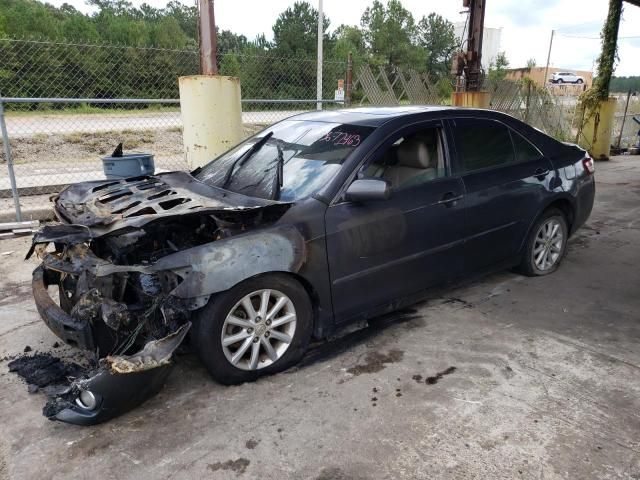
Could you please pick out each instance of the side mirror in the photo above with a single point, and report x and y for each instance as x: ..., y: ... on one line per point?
x: 367, y: 189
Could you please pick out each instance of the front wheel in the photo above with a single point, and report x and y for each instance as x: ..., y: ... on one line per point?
x: 260, y: 326
x: 546, y: 244
x: 579, y: 81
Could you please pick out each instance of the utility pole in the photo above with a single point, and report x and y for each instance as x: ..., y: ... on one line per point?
x: 208, y: 38
x: 546, y: 69
x: 319, y: 66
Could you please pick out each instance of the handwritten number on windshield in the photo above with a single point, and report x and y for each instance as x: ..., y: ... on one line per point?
x: 342, y: 138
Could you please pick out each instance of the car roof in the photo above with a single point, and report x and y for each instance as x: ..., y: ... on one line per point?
x: 372, y: 116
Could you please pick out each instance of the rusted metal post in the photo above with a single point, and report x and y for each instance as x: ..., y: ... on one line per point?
x: 474, y: 44
x: 348, y: 86
x: 208, y: 38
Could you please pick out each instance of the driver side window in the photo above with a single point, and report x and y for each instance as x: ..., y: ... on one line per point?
x: 412, y: 159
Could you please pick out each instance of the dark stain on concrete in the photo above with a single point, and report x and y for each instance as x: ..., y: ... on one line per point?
x: 251, y: 443
x: 333, y: 473
x: 459, y: 302
x: 438, y: 376
x: 376, y: 361
x: 238, y: 466
x: 508, y: 372
x: 417, y: 378
x: 326, y: 350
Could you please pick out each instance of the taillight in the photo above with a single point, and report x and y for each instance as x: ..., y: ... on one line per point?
x: 589, y: 165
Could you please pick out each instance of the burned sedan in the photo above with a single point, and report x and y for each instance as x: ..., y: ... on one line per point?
x: 321, y: 220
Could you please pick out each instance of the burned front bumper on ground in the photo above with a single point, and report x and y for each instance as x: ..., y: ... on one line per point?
x: 130, y: 276
x: 120, y: 384
x: 111, y: 329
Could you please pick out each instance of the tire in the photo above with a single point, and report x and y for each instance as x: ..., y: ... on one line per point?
x: 579, y: 81
x: 530, y: 264
x: 212, y: 327
x: 559, y: 81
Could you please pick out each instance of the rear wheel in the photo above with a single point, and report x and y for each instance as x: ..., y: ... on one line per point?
x: 259, y: 327
x: 546, y: 244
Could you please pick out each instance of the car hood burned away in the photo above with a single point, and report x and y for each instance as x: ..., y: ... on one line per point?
x: 131, y: 260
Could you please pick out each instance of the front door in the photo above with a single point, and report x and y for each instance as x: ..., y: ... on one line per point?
x: 382, y: 250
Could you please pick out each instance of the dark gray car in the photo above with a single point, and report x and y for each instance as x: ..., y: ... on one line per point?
x: 320, y: 220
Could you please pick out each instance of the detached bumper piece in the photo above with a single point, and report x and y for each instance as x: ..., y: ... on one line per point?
x: 120, y: 384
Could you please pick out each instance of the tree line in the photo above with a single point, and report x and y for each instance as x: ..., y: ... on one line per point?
x: 388, y: 35
x: 625, y: 84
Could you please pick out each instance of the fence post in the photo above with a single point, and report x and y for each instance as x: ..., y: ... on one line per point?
x: 624, y: 117
x: 527, y: 103
x: 348, y: 86
x: 9, y: 160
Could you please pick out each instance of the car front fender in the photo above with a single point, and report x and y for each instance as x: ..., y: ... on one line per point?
x: 218, y: 266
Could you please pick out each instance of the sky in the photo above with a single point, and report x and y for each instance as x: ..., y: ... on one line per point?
x: 526, y: 25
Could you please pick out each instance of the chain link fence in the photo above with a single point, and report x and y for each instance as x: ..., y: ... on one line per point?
x: 626, y: 127
x: 66, y: 105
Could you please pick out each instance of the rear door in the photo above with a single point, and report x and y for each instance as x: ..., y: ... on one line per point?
x: 380, y: 251
x: 506, y: 180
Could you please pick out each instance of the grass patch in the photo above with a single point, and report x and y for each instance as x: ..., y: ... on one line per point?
x: 83, y: 109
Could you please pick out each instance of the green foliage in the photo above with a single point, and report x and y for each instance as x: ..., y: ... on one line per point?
x: 531, y: 63
x: 390, y: 34
x: 624, y: 84
x: 444, y: 87
x: 609, y: 53
x: 349, y: 39
x: 605, y: 65
x: 122, y: 50
x: 498, y: 68
x: 437, y: 36
x: 230, y: 65
x: 296, y: 31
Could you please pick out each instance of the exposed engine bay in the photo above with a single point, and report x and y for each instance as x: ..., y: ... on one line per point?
x: 131, y: 261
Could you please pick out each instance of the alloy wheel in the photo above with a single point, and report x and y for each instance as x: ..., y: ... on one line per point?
x: 548, y: 244
x: 259, y: 329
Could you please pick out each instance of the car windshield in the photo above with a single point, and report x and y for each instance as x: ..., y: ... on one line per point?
x: 311, y: 153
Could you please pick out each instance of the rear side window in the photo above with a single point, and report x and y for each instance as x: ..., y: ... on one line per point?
x: 482, y: 144
x: 525, y: 151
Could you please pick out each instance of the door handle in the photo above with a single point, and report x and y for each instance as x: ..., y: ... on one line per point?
x: 449, y: 199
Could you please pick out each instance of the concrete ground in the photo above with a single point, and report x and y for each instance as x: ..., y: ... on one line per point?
x: 546, y: 384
